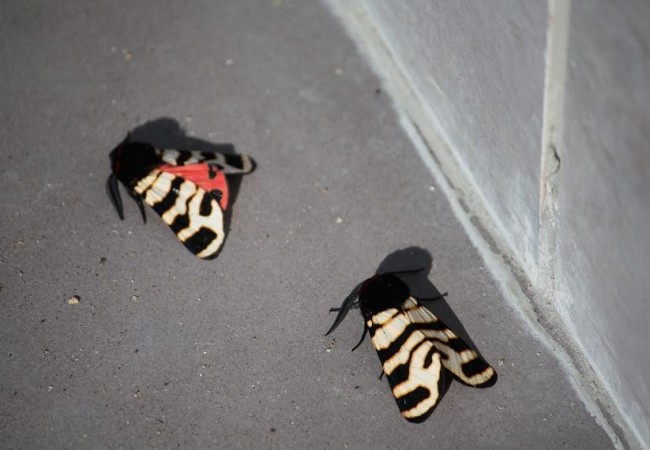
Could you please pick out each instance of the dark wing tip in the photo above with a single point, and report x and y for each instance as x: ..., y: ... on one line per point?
x: 210, y: 256
x: 422, y: 418
x: 244, y: 163
x: 489, y: 382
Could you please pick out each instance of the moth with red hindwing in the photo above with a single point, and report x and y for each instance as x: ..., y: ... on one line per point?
x: 188, y: 189
x: 416, y: 349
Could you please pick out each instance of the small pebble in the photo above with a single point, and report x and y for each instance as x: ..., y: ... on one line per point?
x: 74, y: 300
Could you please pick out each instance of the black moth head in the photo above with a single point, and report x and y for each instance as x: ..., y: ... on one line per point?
x: 372, y: 296
x: 132, y: 161
x: 380, y: 293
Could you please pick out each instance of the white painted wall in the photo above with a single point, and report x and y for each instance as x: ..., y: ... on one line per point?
x: 509, y: 86
x: 603, y: 203
x: 480, y: 69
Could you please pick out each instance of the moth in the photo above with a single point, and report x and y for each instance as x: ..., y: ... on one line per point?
x: 188, y: 189
x: 416, y: 349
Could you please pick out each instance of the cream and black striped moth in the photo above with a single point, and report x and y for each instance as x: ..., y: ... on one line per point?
x: 188, y: 189
x: 416, y: 349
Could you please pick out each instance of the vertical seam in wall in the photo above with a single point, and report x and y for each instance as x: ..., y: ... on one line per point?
x: 552, y: 132
x: 553, y: 148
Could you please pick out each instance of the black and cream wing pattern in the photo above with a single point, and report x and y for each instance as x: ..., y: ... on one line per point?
x: 188, y: 189
x: 417, y: 350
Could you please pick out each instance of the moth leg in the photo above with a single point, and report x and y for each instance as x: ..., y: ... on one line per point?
x: 138, y: 200
x: 363, y: 336
x: 440, y: 297
x: 114, y: 195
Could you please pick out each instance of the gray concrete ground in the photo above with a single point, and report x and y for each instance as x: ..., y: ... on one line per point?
x: 165, y: 350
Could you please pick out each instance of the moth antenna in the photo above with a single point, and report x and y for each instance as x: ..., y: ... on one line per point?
x: 138, y: 200
x: 348, y: 303
x: 397, y: 272
x: 363, y: 336
x: 114, y: 195
x: 354, y: 306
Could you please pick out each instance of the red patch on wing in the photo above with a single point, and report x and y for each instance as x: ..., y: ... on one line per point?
x: 203, y: 176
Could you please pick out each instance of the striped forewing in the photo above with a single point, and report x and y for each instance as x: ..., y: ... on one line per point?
x: 458, y: 358
x: 192, y: 213
x: 414, y: 347
x: 230, y: 164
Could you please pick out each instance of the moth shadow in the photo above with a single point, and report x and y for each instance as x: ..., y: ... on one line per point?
x: 407, y: 262
x: 167, y: 133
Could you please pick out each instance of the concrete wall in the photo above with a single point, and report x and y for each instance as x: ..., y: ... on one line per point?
x: 603, y: 202
x: 480, y: 69
x: 546, y: 108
